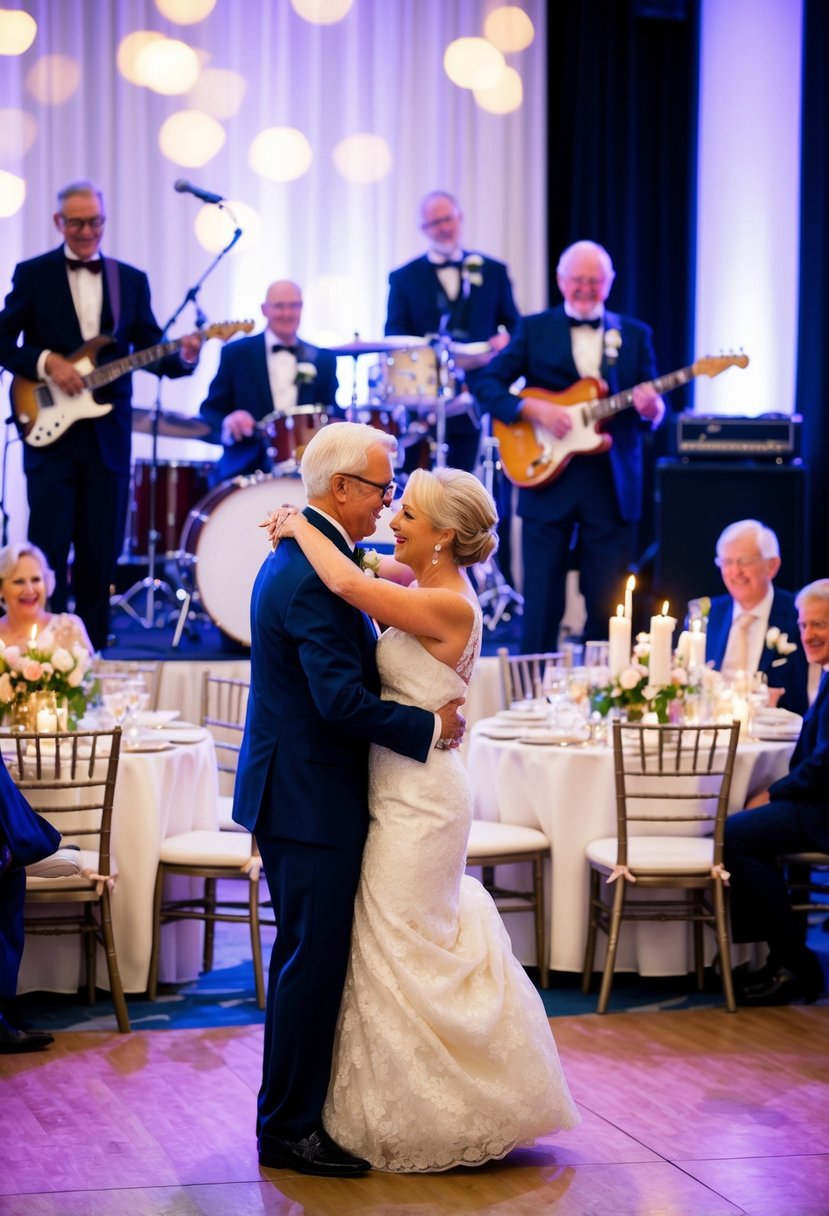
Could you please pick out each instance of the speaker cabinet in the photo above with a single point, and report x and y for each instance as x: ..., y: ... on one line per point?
x: 695, y: 500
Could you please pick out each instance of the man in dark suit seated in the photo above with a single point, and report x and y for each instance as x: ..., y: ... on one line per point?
x: 599, y: 494
x: 754, y: 627
x: 78, y: 484
x: 792, y: 816
x: 274, y: 372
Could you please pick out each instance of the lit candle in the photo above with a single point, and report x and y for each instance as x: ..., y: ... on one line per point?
x: 619, y: 649
x: 683, y: 648
x: 33, y: 634
x: 696, y: 646
x: 46, y: 721
x: 662, y: 633
x: 629, y: 589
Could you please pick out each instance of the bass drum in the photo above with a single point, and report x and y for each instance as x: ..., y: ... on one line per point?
x: 223, y: 546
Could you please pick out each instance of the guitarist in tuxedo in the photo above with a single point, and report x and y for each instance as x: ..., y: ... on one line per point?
x: 596, y: 499
x: 78, y: 485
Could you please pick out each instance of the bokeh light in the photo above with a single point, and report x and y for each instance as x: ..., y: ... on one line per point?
x: 322, y: 12
x: 214, y: 226
x: 167, y: 66
x: 17, y: 32
x: 185, y: 12
x: 12, y: 193
x: 509, y: 28
x: 363, y: 158
x: 53, y: 79
x: 220, y: 92
x: 280, y: 154
x: 190, y: 138
x: 130, y: 48
x: 504, y: 97
x: 473, y: 63
x: 18, y: 130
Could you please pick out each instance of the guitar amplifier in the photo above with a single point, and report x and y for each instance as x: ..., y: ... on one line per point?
x: 764, y: 437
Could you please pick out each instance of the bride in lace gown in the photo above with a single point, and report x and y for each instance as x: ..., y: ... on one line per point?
x: 444, y: 1055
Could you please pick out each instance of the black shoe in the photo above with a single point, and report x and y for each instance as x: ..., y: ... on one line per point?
x: 752, y: 981
x: 783, y: 987
x: 315, y: 1154
x: 12, y: 1038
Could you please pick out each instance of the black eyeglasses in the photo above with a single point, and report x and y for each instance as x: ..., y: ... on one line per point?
x: 387, y: 491
x: 96, y: 223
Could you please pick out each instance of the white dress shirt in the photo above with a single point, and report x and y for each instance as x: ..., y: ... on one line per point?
x: 88, y: 297
x: 282, y: 377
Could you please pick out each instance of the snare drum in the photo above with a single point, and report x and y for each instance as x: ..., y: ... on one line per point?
x: 287, y: 435
x: 179, y: 486
x: 224, y: 547
x: 407, y: 377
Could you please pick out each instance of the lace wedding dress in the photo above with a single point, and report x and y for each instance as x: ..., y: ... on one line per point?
x: 444, y: 1055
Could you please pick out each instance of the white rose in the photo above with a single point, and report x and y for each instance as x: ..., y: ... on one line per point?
x: 45, y: 644
x: 772, y: 635
x: 650, y: 692
x: 679, y: 676
x: 62, y: 660
x: 12, y: 656
x: 629, y: 678
x: 75, y: 678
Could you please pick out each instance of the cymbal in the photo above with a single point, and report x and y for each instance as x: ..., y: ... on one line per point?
x: 171, y: 426
x: 379, y: 346
x: 469, y: 355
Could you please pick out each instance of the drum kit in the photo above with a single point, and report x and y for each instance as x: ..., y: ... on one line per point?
x: 208, y: 539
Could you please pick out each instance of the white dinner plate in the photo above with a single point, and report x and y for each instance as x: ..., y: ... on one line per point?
x: 502, y: 731
x: 522, y: 715
x: 781, y: 735
x: 148, y: 745
x: 554, y: 738
x: 152, y: 719
x: 173, y: 735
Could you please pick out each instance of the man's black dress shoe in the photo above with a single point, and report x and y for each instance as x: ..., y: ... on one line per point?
x: 315, y: 1154
x: 12, y: 1038
x: 783, y: 987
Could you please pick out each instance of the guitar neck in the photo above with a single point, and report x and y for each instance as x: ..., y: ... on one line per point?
x: 606, y: 407
x: 99, y: 376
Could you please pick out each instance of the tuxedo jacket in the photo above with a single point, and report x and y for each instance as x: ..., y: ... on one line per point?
x: 39, y: 306
x: 314, y: 708
x: 241, y: 383
x: 541, y: 351
x: 790, y: 672
x: 808, y: 777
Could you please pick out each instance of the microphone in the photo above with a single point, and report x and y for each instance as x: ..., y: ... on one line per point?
x: 206, y: 196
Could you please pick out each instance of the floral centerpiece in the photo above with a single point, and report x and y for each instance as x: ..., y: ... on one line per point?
x: 44, y: 666
x: 631, y: 691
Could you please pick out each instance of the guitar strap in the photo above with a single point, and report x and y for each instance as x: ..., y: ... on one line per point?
x: 114, y: 288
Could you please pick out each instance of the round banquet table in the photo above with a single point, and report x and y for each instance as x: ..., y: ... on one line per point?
x: 569, y: 793
x: 157, y: 794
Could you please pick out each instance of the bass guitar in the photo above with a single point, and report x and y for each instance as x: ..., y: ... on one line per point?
x: 532, y: 456
x: 43, y: 412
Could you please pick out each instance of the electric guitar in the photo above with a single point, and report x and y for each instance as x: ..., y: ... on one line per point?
x: 531, y: 455
x: 43, y: 412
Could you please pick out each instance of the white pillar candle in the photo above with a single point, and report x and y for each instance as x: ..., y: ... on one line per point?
x: 662, y: 632
x: 46, y: 721
x: 696, y: 646
x: 629, y: 589
x: 619, y: 648
x: 683, y: 648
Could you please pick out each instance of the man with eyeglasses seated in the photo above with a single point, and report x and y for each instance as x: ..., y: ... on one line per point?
x: 754, y: 627
x: 583, y: 516
x: 78, y: 484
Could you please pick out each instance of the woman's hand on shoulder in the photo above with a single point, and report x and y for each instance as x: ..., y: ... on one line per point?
x: 281, y: 523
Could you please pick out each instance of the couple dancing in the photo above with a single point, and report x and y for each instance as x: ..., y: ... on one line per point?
x: 400, y: 1032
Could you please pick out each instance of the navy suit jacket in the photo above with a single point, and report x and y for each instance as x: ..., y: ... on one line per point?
x: 314, y: 708
x: 808, y: 777
x: 241, y: 383
x: 40, y: 307
x: 541, y: 351
x: 790, y: 672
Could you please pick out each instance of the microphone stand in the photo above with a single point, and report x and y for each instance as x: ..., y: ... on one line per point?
x: 152, y: 585
x: 495, y: 595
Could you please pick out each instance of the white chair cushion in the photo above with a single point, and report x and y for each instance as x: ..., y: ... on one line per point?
x: 656, y: 854
x: 489, y: 839
x: 226, y: 820
x: 89, y: 862
x: 205, y: 848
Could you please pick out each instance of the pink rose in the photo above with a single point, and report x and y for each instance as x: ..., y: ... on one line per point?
x: 31, y: 669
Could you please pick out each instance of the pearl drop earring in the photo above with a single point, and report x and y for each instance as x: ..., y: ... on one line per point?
x: 438, y: 548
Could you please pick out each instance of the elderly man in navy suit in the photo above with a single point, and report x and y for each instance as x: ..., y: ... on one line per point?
x: 78, y: 485
x: 302, y: 785
x: 597, y: 494
x: 273, y: 372
x: 792, y: 816
x: 754, y: 627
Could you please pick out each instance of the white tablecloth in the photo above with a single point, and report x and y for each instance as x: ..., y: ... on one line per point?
x: 157, y: 794
x: 569, y: 793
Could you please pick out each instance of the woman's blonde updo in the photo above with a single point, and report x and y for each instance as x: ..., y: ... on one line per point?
x: 454, y: 499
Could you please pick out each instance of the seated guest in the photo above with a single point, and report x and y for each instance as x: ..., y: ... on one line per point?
x: 275, y: 371
x: 26, y: 581
x: 741, y: 626
x: 792, y: 816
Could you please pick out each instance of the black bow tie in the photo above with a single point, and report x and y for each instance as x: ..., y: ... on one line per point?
x: 575, y: 322
x: 94, y: 267
x: 291, y: 349
x: 448, y: 262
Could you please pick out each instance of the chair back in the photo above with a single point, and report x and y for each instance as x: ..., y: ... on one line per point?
x: 122, y: 669
x: 224, y: 705
x: 672, y: 781
x: 522, y: 675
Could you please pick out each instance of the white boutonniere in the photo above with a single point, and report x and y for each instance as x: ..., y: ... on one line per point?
x: 305, y: 373
x: 612, y: 342
x: 779, y: 642
x: 472, y: 271
x: 369, y: 561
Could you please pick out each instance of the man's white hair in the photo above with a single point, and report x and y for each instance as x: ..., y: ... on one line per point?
x: 340, y: 447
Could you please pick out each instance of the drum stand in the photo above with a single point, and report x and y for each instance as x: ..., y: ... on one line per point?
x: 495, y: 595
x: 445, y: 366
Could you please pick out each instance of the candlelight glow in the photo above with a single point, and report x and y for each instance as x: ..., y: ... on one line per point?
x: 665, y: 608
x: 620, y: 610
x: 34, y: 632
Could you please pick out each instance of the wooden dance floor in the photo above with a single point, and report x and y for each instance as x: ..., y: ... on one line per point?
x: 689, y: 1113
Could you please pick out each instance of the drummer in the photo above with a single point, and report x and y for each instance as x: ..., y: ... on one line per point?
x: 274, y: 372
